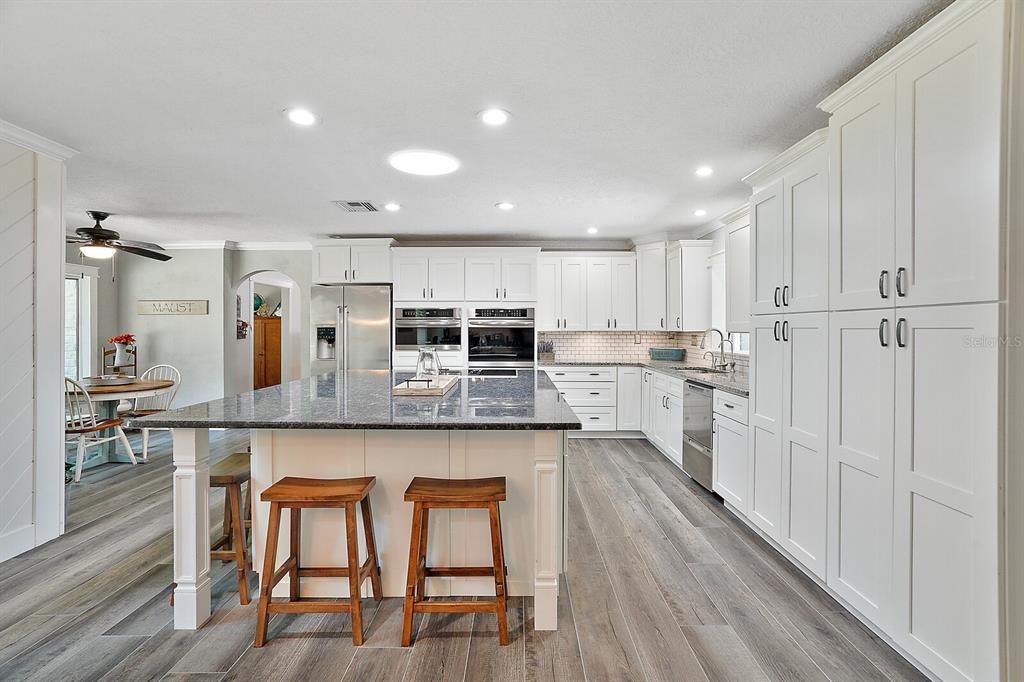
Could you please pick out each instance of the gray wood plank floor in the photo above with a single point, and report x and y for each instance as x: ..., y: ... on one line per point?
x: 662, y: 584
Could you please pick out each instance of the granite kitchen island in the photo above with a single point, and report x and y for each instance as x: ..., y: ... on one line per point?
x: 347, y: 424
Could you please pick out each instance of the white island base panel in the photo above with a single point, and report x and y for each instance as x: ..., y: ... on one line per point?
x: 532, y: 516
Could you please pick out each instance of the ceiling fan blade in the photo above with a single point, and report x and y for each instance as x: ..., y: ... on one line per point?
x: 155, y: 255
x: 138, y: 245
x: 69, y: 239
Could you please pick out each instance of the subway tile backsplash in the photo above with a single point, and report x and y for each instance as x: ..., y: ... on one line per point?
x: 625, y: 347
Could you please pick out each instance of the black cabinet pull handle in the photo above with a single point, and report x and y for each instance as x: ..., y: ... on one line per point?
x: 901, y: 325
x: 594, y: 417
x: 883, y: 284
x: 595, y: 393
x: 785, y: 330
x: 777, y: 291
x: 777, y: 330
x: 883, y: 327
x: 785, y: 295
x: 900, y: 274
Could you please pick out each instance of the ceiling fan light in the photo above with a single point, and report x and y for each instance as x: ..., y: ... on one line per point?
x: 100, y: 251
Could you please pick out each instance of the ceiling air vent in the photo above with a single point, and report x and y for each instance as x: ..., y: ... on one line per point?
x: 356, y: 206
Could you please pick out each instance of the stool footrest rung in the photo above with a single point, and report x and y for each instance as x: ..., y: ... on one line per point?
x: 486, y: 606
x: 458, y: 572
x: 310, y: 605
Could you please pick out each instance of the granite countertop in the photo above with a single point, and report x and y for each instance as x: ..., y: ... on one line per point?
x: 737, y: 383
x: 361, y: 399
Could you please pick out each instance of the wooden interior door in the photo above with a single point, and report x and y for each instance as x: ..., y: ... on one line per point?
x: 266, y: 369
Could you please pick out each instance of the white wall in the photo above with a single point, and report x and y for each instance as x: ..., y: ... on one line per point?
x: 106, y: 314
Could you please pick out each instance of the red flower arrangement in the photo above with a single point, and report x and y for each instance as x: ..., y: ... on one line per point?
x: 126, y: 338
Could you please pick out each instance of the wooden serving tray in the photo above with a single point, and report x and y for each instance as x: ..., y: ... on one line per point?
x: 435, y: 386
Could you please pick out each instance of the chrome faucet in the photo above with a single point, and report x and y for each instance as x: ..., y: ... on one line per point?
x: 722, y: 364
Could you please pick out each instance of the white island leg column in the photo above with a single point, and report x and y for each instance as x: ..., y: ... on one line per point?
x: 548, y: 520
x: 191, y: 527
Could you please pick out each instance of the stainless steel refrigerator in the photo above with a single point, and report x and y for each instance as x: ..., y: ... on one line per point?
x: 351, y: 327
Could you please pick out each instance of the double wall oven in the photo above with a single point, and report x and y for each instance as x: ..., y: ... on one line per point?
x: 437, y: 328
x: 500, y: 337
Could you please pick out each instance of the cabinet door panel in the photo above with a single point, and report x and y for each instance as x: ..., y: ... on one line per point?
x: 627, y: 399
x: 410, y: 278
x: 483, y: 278
x: 805, y: 241
x: 861, y: 384
x: 805, y: 439
x: 674, y: 428
x: 624, y: 292
x: 949, y: 105
x: 674, y: 297
x: 646, y: 404
x: 730, y: 462
x: 765, y: 422
x: 599, y: 293
x: 447, y: 279
x: 519, y: 278
x: 371, y: 264
x: 574, y: 293
x: 766, y: 220
x: 695, y: 288
x: 862, y: 199
x: 331, y: 264
x: 737, y: 274
x: 549, y: 294
x: 946, y: 473
x: 652, y: 289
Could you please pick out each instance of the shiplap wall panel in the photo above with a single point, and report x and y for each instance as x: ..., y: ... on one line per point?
x: 17, y: 318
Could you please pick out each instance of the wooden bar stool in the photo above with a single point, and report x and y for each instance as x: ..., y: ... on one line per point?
x: 443, y: 493
x: 230, y: 473
x: 296, y: 494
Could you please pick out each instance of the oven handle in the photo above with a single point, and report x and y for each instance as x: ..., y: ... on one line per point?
x: 518, y: 322
x: 428, y: 322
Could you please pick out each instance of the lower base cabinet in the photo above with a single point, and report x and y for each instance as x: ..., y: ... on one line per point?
x: 662, y: 414
x: 729, y: 470
x: 591, y: 392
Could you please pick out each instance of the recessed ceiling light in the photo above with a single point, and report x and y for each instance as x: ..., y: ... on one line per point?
x: 704, y: 171
x: 591, y: 230
x: 424, y: 162
x: 493, y: 117
x: 504, y: 205
x: 700, y: 213
x: 392, y: 206
x: 301, y: 117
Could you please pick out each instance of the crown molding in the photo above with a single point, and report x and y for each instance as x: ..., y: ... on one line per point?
x: 270, y: 246
x: 741, y: 211
x: 196, y: 245
x: 944, y: 22
x: 809, y: 143
x: 36, y: 143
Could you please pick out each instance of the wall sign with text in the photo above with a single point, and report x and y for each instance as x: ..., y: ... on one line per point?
x: 174, y: 307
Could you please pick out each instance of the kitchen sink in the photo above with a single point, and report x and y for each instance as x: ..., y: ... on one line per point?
x: 705, y: 370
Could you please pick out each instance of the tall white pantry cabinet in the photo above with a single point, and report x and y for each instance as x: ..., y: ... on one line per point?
x: 878, y: 299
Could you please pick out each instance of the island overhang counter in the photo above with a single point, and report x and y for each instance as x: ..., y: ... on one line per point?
x: 347, y: 424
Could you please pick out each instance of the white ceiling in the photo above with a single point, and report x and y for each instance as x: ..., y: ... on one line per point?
x: 176, y: 108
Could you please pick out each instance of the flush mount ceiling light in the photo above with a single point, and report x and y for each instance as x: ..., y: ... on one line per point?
x: 424, y: 162
x: 493, y: 117
x: 504, y: 206
x: 704, y: 171
x: 392, y: 206
x: 300, y: 117
x: 97, y: 250
x: 591, y: 230
x: 700, y: 213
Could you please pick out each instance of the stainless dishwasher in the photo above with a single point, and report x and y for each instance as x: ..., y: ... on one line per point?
x: 697, y: 438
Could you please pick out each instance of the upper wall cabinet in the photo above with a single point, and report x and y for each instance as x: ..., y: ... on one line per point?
x: 651, y: 289
x: 915, y: 191
x: 352, y: 260
x: 501, y: 278
x: 562, y: 293
x: 789, y: 230
x: 429, y: 278
x: 737, y: 270
x: 688, y: 282
x: 586, y: 292
x: 611, y: 292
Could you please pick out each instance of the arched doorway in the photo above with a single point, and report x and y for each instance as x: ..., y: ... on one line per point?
x: 268, y: 307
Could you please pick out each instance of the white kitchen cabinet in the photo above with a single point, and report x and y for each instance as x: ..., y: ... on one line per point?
x: 447, y: 279
x: 737, y: 270
x: 628, y: 398
x: 949, y: 107
x: 647, y: 403
x: 860, y: 469
x: 574, y: 294
x: 673, y: 436
x: 729, y: 471
x: 624, y: 292
x: 592, y: 393
x: 689, y: 286
x: 599, y: 293
x: 340, y: 262
x: 483, y: 278
x: 947, y: 519
x: 764, y: 444
x: 651, y: 289
x: 519, y: 278
x: 766, y: 250
x: 804, y: 439
x: 411, y: 278
x: 548, y: 314
x: 862, y: 200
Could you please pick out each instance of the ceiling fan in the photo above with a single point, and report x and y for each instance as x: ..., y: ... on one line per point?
x: 99, y: 242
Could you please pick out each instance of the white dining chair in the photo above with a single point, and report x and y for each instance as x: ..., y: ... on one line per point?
x: 80, y: 422
x: 156, y: 403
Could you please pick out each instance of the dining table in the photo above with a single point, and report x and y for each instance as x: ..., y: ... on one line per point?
x: 106, y: 400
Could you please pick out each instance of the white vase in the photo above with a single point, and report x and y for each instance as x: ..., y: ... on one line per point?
x: 121, y: 357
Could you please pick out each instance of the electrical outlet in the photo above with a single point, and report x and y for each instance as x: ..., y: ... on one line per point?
x: 636, y: 339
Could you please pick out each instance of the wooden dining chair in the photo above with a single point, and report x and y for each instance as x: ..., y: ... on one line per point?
x: 155, y: 403
x: 80, y: 422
